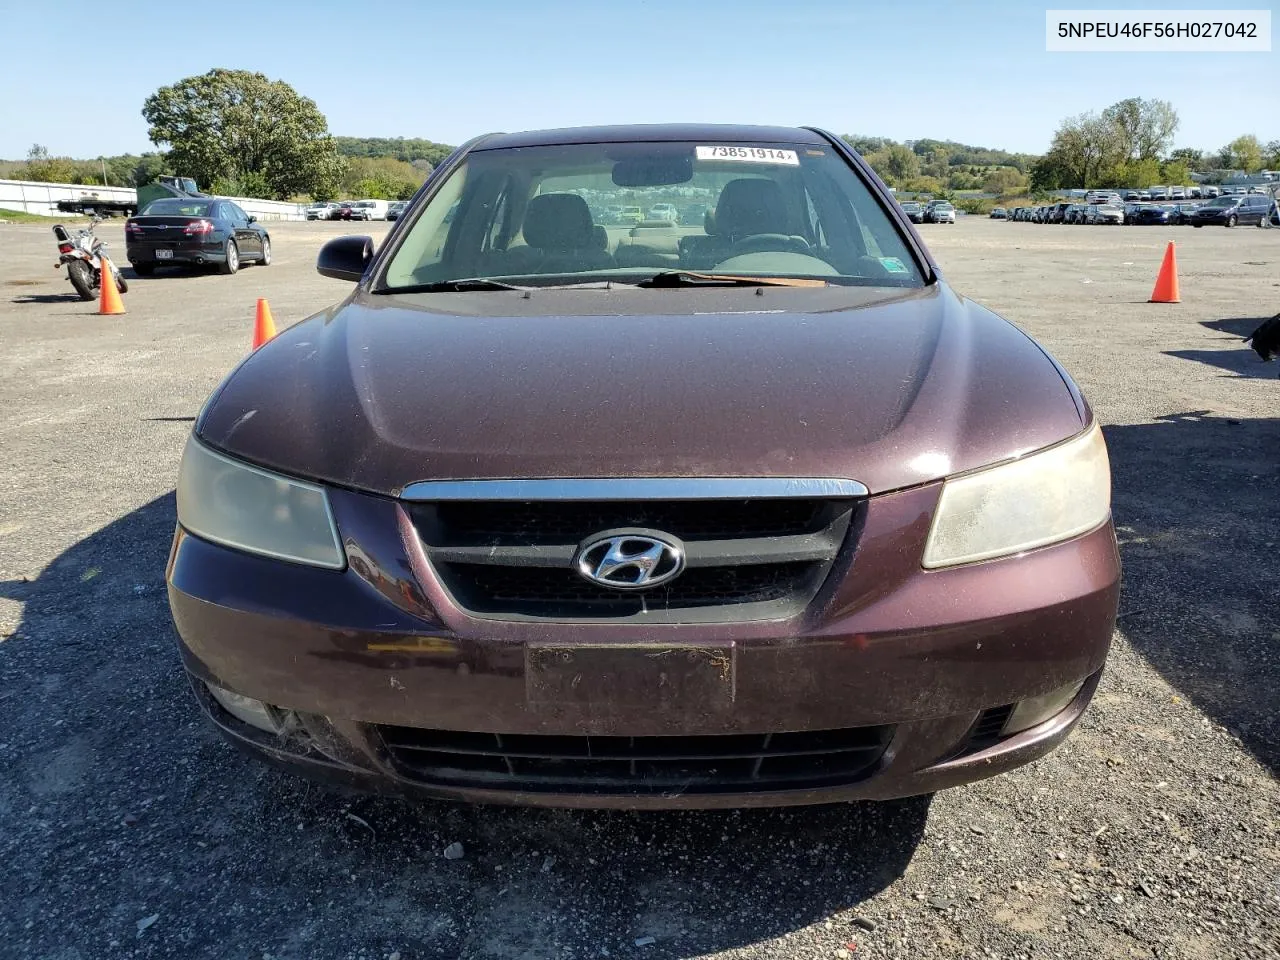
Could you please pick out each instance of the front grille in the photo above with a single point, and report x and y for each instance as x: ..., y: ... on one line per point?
x: 725, y: 763
x: 480, y: 585
x: 746, y: 559
x: 498, y: 522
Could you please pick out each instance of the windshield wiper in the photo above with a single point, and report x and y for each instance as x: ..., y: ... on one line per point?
x: 456, y: 286
x: 687, y: 278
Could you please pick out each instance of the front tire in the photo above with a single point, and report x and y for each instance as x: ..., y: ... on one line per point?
x: 232, y: 262
x: 121, y: 283
x: 1231, y: 221
x: 81, y: 276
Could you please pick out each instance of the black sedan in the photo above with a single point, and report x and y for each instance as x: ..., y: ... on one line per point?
x: 1153, y: 214
x: 176, y: 232
x: 914, y: 211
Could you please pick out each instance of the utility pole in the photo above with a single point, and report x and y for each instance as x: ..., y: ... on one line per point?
x: 104, y: 171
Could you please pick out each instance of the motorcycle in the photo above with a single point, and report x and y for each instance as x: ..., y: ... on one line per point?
x: 83, y: 254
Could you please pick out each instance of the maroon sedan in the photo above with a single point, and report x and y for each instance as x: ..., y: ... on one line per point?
x: 750, y: 511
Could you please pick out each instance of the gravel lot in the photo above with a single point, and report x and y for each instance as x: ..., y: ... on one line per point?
x: 131, y: 830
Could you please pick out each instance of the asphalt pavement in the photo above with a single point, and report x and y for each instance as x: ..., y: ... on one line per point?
x: 129, y: 829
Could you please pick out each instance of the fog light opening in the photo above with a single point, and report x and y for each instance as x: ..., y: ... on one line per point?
x: 1035, y: 711
x: 255, y: 713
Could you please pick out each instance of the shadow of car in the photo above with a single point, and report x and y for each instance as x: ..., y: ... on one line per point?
x: 1197, y: 511
x: 1243, y: 362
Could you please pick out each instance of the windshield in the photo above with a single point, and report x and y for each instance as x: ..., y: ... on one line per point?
x: 576, y: 213
x: 176, y: 208
x: 1222, y: 202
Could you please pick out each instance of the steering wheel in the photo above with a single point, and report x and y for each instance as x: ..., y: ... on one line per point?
x: 771, y: 243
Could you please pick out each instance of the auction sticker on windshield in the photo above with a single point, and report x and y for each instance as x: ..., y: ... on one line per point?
x: 748, y: 155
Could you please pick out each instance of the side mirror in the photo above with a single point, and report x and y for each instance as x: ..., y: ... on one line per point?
x: 252, y: 218
x: 345, y: 258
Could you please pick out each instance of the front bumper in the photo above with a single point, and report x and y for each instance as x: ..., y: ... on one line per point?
x: 921, y: 657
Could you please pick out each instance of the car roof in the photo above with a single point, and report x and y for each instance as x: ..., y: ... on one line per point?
x: 648, y: 132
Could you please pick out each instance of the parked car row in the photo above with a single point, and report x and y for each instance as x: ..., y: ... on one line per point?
x: 1204, y: 191
x: 629, y: 215
x: 350, y: 210
x: 1226, y: 210
x: 934, y: 211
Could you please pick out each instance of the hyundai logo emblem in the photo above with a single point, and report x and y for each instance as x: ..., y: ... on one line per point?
x: 630, y: 559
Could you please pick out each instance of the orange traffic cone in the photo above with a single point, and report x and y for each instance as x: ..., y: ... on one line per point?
x: 109, y: 302
x: 1166, y: 289
x: 264, y: 327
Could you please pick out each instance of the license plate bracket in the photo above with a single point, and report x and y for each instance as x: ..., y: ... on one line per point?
x: 656, y: 676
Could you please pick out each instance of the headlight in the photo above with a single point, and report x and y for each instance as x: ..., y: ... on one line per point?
x: 1043, y: 498
x: 251, y: 509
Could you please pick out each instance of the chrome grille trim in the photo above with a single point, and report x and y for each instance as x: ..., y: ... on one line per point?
x: 636, y: 488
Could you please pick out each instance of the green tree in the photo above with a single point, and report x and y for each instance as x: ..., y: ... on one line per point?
x: 1084, y: 149
x: 923, y: 185
x: 150, y: 166
x: 865, y: 145
x: 410, y: 150
x: 1145, y: 173
x: 381, y: 178
x: 1195, y: 160
x: 1174, y: 173
x: 1048, y: 173
x: 46, y: 169
x: 120, y: 169
x: 1004, y: 181
x: 1271, y: 155
x: 1144, y: 129
x: 247, y: 184
x: 937, y: 163
x: 237, y: 126
x: 901, y: 163
x: 879, y: 162
x: 1243, y: 153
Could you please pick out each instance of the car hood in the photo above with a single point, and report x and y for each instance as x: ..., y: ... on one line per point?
x: 889, y: 387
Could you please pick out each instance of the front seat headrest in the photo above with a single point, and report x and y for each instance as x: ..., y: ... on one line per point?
x: 751, y: 206
x: 559, y: 221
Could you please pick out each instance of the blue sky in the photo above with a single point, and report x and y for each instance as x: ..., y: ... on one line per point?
x: 973, y: 72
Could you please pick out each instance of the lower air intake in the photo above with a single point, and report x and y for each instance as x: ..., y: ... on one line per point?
x: 726, y: 763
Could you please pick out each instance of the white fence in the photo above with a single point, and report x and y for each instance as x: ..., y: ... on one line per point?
x: 42, y: 199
